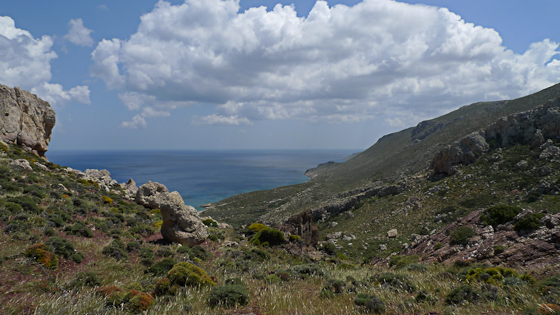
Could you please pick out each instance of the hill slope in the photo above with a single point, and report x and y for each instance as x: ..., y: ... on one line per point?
x: 389, y: 160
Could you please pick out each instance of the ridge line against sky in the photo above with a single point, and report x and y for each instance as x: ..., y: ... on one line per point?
x: 258, y: 74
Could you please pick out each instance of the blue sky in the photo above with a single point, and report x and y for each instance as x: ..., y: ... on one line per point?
x: 225, y: 74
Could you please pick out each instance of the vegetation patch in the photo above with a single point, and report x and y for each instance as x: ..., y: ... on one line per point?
x: 461, y: 235
x: 499, y: 214
x: 228, y: 295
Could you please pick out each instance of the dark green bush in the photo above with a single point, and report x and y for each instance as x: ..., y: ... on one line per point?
x: 210, y: 222
x: 308, y: 269
x: 461, y: 295
x: 132, y: 246
x: 79, y: 228
x: 327, y: 293
x: 14, y: 227
x: 87, y: 278
x: 196, y: 251
x: 147, y: 256
x: 255, y: 254
x: 162, y: 267
x: 27, y: 203
x: 64, y: 249
x: 164, y: 252
x: 329, y: 249
x: 461, y: 235
x: 269, y: 235
x: 372, y: 303
x: 12, y: 207
x: 116, y: 250
x: 498, y: 249
x: 499, y: 214
x: 396, y: 282
x: 237, y: 281
x: 531, y: 221
x: 228, y: 296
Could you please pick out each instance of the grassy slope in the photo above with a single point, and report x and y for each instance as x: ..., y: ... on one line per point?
x: 392, y: 156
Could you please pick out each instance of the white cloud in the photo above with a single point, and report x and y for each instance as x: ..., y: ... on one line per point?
x: 221, y: 120
x: 25, y: 62
x: 102, y: 7
x: 378, y: 59
x: 137, y: 122
x: 78, y: 34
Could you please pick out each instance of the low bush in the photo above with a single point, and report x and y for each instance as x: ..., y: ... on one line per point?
x: 499, y: 214
x: 461, y: 235
x: 181, y: 275
x: 210, y: 222
x: 87, y: 278
x: 271, y: 236
x: 531, y: 221
x: 12, y: 207
x: 461, y: 295
x: 371, y: 303
x: 396, y: 282
x: 162, y: 267
x: 257, y: 227
x: 79, y: 228
x: 64, y: 248
x: 132, y: 246
x: 308, y: 269
x: 255, y: 254
x: 147, y: 256
x: 164, y: 252
x: 498, y: 249
x: 195, y: 252
x: 116, y: 250
x: 228, y: 295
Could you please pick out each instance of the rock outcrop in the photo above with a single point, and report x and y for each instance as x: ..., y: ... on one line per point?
x: 537, y: 248
x: 531, y: 127
x: 25, y: 119
x: 181, y: 223
x: 302, y: 225
x: 101, y: 177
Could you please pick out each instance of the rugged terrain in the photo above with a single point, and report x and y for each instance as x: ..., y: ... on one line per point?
x: 475, y: 230
x: 392, y: 159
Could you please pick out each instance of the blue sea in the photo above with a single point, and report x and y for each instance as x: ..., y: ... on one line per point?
x: 203, y: 177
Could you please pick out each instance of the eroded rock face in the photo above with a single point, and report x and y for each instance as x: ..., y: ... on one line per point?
x: 181, y: 223
x: 530, y: 127
x: 25, y: 119
x: 535, y: 248
x: 302, y: 225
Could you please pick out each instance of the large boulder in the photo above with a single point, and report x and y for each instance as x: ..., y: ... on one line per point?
x: 181, y: 223
x: 25, y: 119
x: 302, y: 225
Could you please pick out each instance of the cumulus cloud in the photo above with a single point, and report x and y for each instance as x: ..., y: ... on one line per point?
x: 78, y: 34
x: 149, y: 106
x: 25, y: 62
x: 379, y: 59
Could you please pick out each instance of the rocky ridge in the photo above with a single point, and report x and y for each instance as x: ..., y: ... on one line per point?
x: 529, y: 127
x: 25, y: 119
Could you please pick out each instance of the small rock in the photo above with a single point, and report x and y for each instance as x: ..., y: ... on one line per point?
x: 521, y: 165
x: 382, y: 247
x: 392, y: 233
x: 41, y: 167
x: 333, y: 224
x: 24, y: 164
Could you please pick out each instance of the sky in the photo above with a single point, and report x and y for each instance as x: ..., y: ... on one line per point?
x: 262, y: 74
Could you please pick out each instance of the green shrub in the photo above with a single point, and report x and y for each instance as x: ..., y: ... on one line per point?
x: 372, y: 303
x: 132, y: 246
x: 416, y: 267
x: 49, y: 231
x: 308, y: 269
x: 87, y: 278
x: 147, y: 256
x: 461, y: 295
x: 187, y: 274
x: 116, y: 250
x: 78, y: 228
x: 162, y: 267
x: 257, y: 227
x: 210, y: 222
x: 396, y: 282
x: 196, y: 251
x: 327, y: 293
x: 499, y: 214
x: 61, y: 247
x: 328, y: 248
x: 255, y: 254
x: 228, y: 296
x: 27, y: 204
x: 164, y: 252
x: 531, y: 221
x: 271, y: 236
x: 498, y: 249
x: 461, y: 235
x: 12, y: 207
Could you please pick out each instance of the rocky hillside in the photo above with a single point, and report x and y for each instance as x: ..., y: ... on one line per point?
x: 25, y: 119
x: 392, y: 159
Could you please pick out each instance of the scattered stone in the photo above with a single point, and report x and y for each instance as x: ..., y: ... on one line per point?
x: 382, y: 247
x: 41, y: 167
x: 22, y: 163
x: 333, y: 224
x: 521, y: 165
x: 392, y: 233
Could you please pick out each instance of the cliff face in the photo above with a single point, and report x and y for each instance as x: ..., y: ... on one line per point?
x: 25, y: 119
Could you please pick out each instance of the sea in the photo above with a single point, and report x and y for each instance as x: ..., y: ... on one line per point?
x: 203, y: 177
